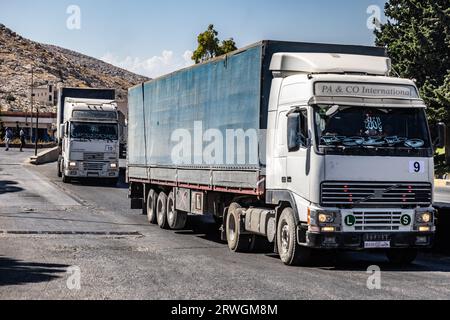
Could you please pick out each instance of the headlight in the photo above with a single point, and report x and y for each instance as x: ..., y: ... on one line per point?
x: 72, y: 164
x: 113, y: 165
x: 426, y: 217
x: 326, y: 218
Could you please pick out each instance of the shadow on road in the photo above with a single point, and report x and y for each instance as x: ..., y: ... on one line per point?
x: 9, y: 187
x: 15, y: 272
x: 204, y: 228
x: 103, y: 183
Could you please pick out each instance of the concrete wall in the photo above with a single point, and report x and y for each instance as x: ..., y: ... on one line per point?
x: 46, y: 156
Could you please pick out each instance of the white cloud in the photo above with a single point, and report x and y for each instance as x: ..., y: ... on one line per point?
x: 152, y: 67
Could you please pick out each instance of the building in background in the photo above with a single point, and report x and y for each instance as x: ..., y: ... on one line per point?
x: 46, y: 95
x: 22, y: 120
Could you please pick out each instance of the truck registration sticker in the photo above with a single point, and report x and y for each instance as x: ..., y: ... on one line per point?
x: 416, y: 167
x: 377, y: 244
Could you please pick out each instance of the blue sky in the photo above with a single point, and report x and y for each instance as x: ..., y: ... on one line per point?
x: 155, y: 37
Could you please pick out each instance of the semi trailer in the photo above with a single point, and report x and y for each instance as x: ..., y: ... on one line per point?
x: 305, y: 146
x: 88, y: 134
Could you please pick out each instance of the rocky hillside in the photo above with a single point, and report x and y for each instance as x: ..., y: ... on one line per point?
x: 51, y: 64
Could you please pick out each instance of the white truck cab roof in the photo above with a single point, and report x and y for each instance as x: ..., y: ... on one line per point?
x: 91, y: 102
x: 86, y: 109
x: 350, y: 89
x: 313, y: 63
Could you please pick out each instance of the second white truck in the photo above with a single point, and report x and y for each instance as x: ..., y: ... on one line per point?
x: 88, y: 134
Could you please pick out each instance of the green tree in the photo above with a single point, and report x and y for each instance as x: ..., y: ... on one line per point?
x: 417, y: 36
x: 209, y: 46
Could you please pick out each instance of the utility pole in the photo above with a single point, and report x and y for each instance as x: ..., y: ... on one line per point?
x: 36, y: 139
x: 32, y: 100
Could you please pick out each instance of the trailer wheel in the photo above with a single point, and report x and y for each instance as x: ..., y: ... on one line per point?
x: 161, y: 211
x: 291, y: 253
x: 175, y: 219
x: 237, y: 242
x: 402, y: 257
x: 152, y: 201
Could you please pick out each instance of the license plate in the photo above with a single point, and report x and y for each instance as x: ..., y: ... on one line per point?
x: 377, y: 244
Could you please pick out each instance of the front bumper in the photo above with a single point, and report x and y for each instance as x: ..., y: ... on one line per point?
x: 357, y: 241
x: 92, y: 174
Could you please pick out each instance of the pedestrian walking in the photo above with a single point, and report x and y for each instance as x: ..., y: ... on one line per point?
x: 22, y: 139
x: 8, y: 138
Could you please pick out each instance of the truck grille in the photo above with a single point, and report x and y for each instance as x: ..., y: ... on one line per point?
x: 377, y: 221
x: 92, y: 156
x: 344, y: 194
x: 92, y: 166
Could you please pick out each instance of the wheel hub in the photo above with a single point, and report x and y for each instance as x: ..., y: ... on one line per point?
x: 232, y: 229
x: 285, y: 239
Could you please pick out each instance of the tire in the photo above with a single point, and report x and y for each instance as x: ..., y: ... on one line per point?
x: 175, y: 219
x: 237, y: 242
x: 65, y: 179
x: 152, y: 201
x: 402, y: 257
x: 291, y: 253
x: 59, y: 168
x: 161, y: 211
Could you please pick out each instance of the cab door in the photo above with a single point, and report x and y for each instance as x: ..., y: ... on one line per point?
x: 277, y: 165
x: 298, y: 160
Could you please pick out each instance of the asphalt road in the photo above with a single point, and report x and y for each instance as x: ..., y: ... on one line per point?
x: 47, y: 228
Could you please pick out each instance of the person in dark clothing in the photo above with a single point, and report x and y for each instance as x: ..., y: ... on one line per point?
x: 22, y: 136
x: 8, y: 138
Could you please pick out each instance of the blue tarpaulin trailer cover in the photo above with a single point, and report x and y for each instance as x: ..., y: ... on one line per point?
x: 227, y: 93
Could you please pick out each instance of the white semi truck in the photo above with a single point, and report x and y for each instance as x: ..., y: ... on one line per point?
x: 88, y: 135
x: 342, y: 157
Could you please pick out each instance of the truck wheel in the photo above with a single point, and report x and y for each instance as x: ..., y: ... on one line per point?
x: 237, y: 242
x: 291, y: 253
x: 65, y: 179
x: 152, y: 202
x: 175, y: 219
x: 59, y: 168
x: 402, y: 257
x: 161, y: 211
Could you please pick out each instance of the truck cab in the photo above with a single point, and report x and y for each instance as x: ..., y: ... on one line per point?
x: 89, y: 139
x: 350, y: 149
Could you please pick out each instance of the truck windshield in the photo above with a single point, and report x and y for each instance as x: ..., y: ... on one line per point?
x: 94, y: 131
x: 377, y: 131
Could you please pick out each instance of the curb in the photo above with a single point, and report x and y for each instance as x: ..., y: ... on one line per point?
x: 47, y: 156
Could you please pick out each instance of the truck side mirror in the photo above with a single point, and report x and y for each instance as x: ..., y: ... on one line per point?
x: 293, y: 131
x: 62, y: 131
x: 442, y: 135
